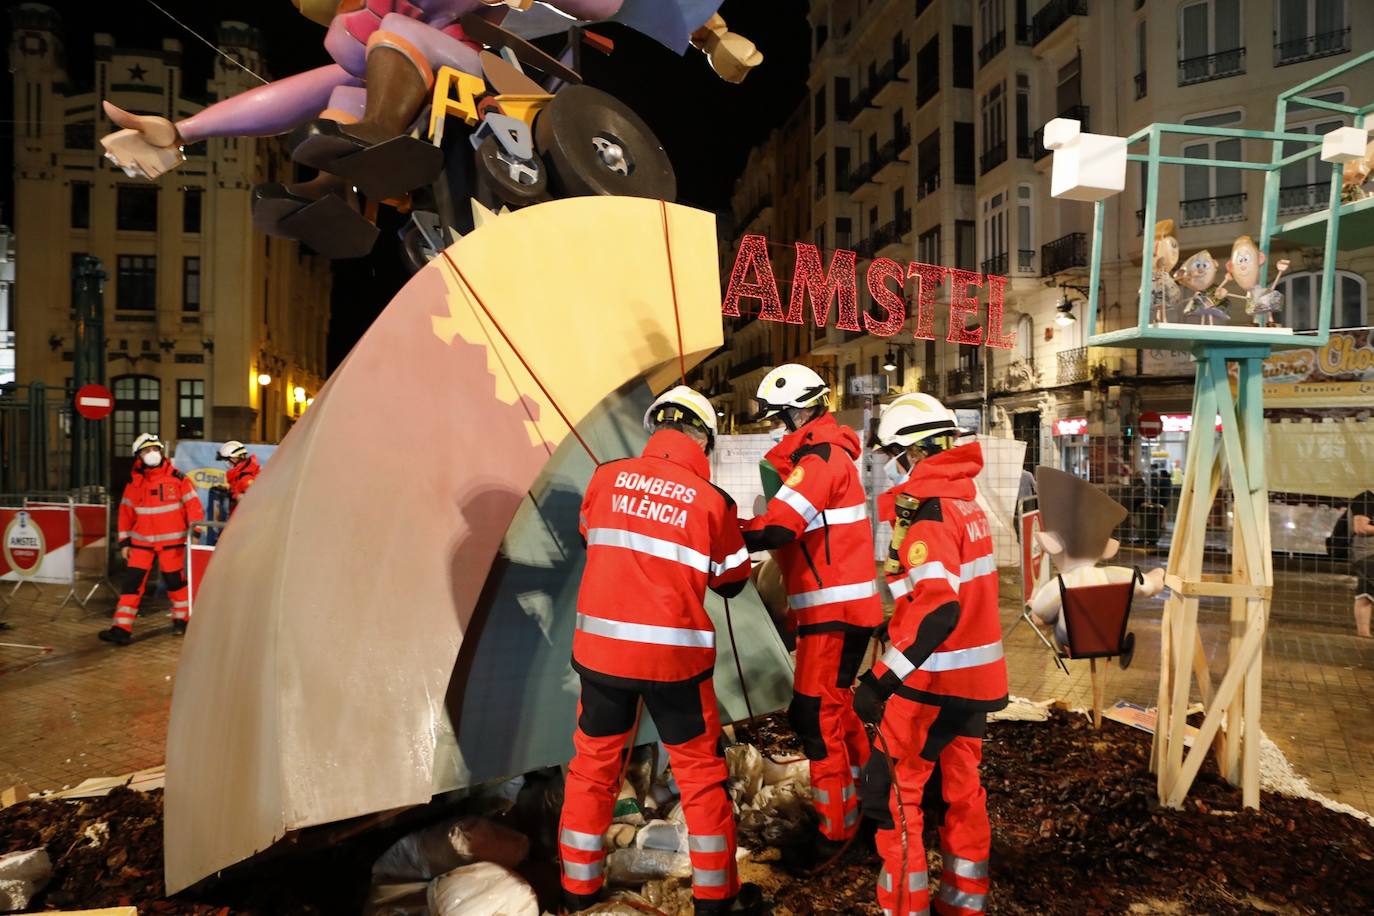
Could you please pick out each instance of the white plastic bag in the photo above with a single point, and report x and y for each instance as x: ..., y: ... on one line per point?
x: 22, y: 875
x: 481, y: 889
x: 635, y: 866
x: 662, y: 835
x: 445, y: 846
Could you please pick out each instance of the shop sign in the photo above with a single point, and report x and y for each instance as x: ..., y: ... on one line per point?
x: 886, y: 281
x: 1071, y: 426
x: 1181, y: 422
x: 1340, y: 373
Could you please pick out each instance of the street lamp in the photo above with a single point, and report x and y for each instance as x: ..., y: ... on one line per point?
x: 1065, y: 316
x: 890, y: 362
x: 264, y: 379
x: 299, y: 393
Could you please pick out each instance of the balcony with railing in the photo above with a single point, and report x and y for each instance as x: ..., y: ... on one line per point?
x: 862, y: 175
x: 1054, y: 14
x: 1072, y: 366
x: 1025, y: 147
x: 1298, y: 198
x: 1078, y: 113
x: 929, y: 384
x: 1211, y: 66
x: 890, y: 164
x: 1025, y: 260
x: 1065, y: 253
x: 996, y: 265
x: 889, y: 233
x: 890, y: 84
x: 884, y: 77
x: 992, y: 48
x: 1311, y: 47
x: 927, y: 184
x: 1025, y: 35
x: 963, y: 381
x: 1205, y: 211
x: 992, y: 158
x: 1141, y: 85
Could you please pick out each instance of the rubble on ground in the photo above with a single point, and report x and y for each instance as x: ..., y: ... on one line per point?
x: 1076, y: 828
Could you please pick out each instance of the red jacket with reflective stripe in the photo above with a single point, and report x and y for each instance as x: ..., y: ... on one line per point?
x: 817, y: 527
x: 945, y: 630
x: 658, y: 534
x: 159, y: 504
x: 240, y: 477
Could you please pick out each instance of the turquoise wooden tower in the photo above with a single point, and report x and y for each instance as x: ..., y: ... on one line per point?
x: 1229, y: 384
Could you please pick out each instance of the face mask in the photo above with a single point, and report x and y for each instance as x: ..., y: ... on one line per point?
x: 152, y: 459
x: 776, y: 433
x: 895, y: 472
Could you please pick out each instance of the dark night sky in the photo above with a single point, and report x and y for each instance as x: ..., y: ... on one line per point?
x: 706, y: 124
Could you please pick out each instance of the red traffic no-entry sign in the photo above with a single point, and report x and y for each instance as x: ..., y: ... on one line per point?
x: 1150, y: 425
x: 94, y: 402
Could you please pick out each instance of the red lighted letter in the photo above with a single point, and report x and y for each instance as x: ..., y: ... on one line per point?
x: 880, y: 270
x: 996, y: 338
x: 808, y: 277
x: 962, y: 305
x: 931, y: 277
x: 753, y: 252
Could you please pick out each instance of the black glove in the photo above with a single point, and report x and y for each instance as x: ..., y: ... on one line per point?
x: 869, y: 697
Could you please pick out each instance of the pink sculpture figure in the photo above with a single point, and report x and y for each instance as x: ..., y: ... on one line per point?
x: 394, y: 48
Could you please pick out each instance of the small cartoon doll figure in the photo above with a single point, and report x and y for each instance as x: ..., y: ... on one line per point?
x: 1355, y: 183
x: 1078, y: 520
x: 1196, y: 276
x: 1244, y: 268
x: 1164, y: 292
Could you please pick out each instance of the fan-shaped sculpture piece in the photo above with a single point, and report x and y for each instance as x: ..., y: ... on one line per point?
x: 313, y: 685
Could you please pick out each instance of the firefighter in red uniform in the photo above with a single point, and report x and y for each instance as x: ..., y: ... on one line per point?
x: 159, y: 505
x: 944, y: 671
x: 243, y: 470
x: 658, y: 533
x: 817, y: 527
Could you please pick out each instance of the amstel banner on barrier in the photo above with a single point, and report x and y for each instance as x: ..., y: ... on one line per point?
x: 36, y: 544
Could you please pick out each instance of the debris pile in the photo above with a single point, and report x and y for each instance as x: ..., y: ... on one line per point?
x: 1075, y: 829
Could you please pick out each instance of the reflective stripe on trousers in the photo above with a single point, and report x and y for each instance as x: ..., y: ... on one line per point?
x: 954, y: 897
x: 583, y: 871
x: 832, y: 595
x: 965, y: 868
x: 158, y: 538
x: 915, y: 881
x: 575, y: 839
x: 645, y: 632
x: 851, y: 817
x: 714, y: 842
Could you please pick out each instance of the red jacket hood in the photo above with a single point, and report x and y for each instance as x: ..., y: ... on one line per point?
x: 949, y: 473
x: 680, y: 449
x: 162, y: 470
x: 824, y: 430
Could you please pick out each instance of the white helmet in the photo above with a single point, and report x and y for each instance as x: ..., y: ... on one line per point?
x: 682, y: 404
x: 789, y: 385
x: 914, y: 418
x: 231, y: 450
x: 146, y: 440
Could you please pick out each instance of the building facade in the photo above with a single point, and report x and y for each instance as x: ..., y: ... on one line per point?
x: 212, y: 329
x: 927, y: 117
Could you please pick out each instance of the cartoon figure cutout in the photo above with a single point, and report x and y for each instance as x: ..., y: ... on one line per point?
x: 1261, y: 302
x: 1196, y: 276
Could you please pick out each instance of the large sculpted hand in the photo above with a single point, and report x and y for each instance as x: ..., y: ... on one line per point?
x: 147, y: 147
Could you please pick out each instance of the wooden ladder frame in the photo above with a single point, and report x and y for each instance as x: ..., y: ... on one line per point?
x: 1249, y: 585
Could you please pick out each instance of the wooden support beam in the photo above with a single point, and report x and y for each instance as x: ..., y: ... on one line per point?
x: 1254, y: 640
x: 1208, y: 589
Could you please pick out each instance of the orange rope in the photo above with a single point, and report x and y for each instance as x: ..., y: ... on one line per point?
x: 518, y: 355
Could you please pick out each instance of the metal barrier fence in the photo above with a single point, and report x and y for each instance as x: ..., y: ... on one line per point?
x: 1309, y: 500
x: 35, y: 438
x: 87, y: 531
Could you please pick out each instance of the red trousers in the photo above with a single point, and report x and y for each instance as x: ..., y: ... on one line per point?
x: 822, y: 714
x: 172, y: 562
x: 689, y: 724
x: 918, y: 738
